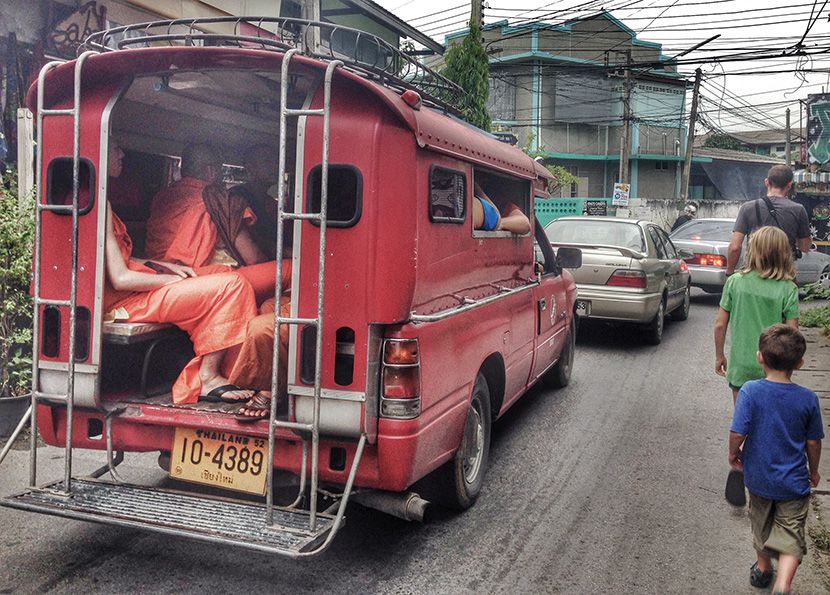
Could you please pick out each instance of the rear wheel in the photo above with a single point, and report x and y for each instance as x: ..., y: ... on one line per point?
x: 560, y: 374
x: 458, y: 483
x: 682, y: 311
x: 824, y: 278
x: 654, y: 330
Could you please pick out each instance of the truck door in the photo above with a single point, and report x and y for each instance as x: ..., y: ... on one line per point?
x: 551, y: 308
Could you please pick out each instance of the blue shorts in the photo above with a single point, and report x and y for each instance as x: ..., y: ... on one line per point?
x: 491, y: 215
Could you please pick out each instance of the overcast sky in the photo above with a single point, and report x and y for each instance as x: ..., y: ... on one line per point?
x: 734, y: 95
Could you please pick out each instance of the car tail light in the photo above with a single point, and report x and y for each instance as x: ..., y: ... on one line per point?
x: 684, y: 268
x: 401, y: 379
x: 709, y: 260
x: 626, y: 278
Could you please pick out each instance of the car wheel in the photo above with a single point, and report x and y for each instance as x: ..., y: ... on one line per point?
x: 682, y: 311
x: 824, y: 278
x: 560, y: 374
x: 654, y: 330
x: 458, y: 483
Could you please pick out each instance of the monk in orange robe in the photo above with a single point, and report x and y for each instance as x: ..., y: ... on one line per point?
x: 180, y: 228
x: 253, y: 367
x: 212, y: 309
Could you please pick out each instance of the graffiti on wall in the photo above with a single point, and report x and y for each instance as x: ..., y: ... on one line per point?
x: 68, y: 33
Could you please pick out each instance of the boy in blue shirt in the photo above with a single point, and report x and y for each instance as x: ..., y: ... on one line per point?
x: 779, y: 425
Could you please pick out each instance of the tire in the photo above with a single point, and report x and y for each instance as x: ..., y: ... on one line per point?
x: 560, y: 374
x: 824, y: 278
x: 682, y: 311
x: 654, y: 330
x: 458, y: 483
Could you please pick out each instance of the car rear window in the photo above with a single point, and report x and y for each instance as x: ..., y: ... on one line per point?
x: 718, y: 231
x: 604, y: 233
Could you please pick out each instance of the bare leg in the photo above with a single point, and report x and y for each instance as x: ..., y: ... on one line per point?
x: 764, y: 562
x: 211, y: 377
x: 734, y: 395
x: 787, y: 565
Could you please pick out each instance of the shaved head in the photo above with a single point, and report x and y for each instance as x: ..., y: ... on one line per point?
x: 200, y: 160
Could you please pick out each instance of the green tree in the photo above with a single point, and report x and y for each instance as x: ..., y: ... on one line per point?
x: 16, y: 236
x: 724, y: 141
x: 467, y: 65
x: 562, y: 177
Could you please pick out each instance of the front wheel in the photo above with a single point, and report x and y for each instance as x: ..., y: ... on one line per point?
x: 824, y: 278
x: 459, y: 481
x: 654, y: 331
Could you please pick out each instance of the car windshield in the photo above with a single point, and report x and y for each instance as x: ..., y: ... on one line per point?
x: 600, y: 232
x: 718, y: 231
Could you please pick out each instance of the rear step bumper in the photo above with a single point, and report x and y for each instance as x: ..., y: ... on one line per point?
x: 204, y: 518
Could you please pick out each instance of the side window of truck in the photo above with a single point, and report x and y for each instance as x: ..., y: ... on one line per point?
x: 345, y: 194
x: 506, y: 195
x: 59, y: 183
x: 447, y: 195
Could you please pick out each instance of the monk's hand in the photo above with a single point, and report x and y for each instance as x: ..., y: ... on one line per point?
x: 180, y: 270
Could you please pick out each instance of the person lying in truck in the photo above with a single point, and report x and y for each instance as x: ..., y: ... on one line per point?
x: 488, y: 217
x: 213, y: 309
x: 196, y: 223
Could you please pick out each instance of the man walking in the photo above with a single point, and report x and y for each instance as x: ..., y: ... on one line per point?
x: 775, y: 209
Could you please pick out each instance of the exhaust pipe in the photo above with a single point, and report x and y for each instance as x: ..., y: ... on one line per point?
x: 408, y: 506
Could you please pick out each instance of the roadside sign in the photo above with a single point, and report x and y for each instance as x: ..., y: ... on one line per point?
x: 598, y: 208
x: 621, y: 194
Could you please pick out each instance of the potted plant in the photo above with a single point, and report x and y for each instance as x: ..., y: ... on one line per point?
x: 16, y: 236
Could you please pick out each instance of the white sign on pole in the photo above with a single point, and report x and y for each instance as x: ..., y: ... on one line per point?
x: 621, y: 195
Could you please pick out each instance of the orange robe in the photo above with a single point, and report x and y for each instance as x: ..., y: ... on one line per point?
x: 253, y: 365
x: 180, y: 230
x: 212, y: 309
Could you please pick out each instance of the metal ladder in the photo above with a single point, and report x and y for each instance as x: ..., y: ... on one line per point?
x: 71, y: 303
x: 312, y: 428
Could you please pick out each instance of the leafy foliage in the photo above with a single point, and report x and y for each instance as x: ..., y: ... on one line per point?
x: 467, y: 65
x: 562, y: 177
x: 816, y: 317
x: 16, y: 237
x: 724, y: 141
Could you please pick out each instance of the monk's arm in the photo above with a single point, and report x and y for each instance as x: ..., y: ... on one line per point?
x: 248, y: 249
x: 516, y: 222
x: 120, y: 276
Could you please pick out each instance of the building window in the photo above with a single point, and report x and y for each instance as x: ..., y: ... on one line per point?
x: 501, y: 102
x: 447, y: 195
x: 661, y: 165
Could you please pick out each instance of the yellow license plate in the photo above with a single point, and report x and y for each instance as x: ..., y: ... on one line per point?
x: 219, y: 459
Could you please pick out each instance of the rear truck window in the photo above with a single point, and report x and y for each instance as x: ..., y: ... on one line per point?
x: 59, y: 183
x: 345, y: 194
x: 605, y: 233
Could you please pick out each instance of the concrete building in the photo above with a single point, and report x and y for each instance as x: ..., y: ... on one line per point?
x: 560, y: 90
x: 772, y: 142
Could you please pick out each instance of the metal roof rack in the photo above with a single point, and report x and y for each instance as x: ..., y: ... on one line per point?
x: 364, y: 53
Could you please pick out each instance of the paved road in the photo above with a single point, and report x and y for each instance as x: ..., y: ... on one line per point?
x: 611, y: 485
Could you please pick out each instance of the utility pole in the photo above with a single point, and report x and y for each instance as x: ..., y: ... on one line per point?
x: 787, y: 145
x: 477, y: 13
x: 626, y: 136
x: 690, y: 138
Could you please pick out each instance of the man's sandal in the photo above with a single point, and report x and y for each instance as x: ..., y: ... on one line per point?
x: 217, y: 395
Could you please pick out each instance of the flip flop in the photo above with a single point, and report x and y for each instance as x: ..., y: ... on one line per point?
x: 734, y: 492
x: 259, y: 402
x: 215, y: 396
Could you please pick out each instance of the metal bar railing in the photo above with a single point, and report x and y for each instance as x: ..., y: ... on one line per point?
x: 364, y: 53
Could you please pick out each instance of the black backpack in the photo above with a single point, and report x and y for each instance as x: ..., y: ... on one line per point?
x: 774, y: 214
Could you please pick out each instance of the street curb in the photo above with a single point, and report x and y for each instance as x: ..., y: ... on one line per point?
x: 815, y: 375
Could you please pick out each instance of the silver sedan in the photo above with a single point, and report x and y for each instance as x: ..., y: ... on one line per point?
x: 631, y: 271
x: 708, y: 241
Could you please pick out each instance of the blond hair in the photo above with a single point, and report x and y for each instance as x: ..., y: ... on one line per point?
x: 770, y: 255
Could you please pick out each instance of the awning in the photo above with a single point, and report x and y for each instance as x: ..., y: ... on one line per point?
x: 811, y: 182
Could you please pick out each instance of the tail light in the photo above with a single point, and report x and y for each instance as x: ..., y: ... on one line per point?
x: 626, y: 278
x: 684, y: 268
x: 400, y: 379
x: 708, y: 260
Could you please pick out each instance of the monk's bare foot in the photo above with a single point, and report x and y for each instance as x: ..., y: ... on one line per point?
x: 259, y: 407
x: 218, y: 389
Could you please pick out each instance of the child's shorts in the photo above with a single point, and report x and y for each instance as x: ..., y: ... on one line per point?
x: 778, y: 525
